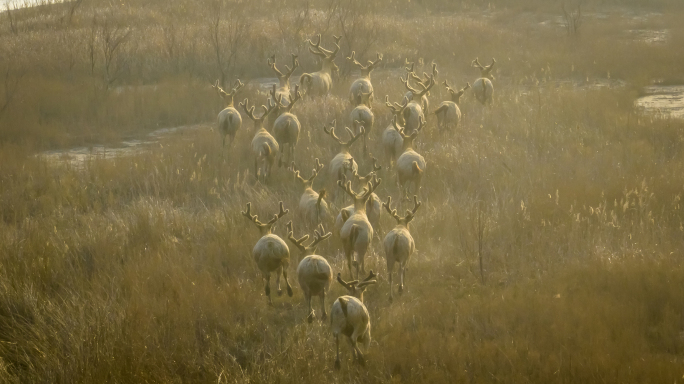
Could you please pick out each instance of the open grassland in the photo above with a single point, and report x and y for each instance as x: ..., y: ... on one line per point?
x: 549, y: 243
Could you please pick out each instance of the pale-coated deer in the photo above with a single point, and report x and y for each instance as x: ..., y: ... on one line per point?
x: 350, y: 317
x: 392, y: 143
x: 319, y: 83
x: 312, y: 205
x: 314, y: 272
x: 229, y: 119
x: 357, y: 231
x: 411, y: 164
x: 264, y: 146
x: 448, y: 113
x: 417, y: 105
x: 270, y: 253
x: 483, y: 87
x: 399, y: 244
x: 286, y: 126
x: 362, y: 85
x: 362, y: 116
x: 339, y: 165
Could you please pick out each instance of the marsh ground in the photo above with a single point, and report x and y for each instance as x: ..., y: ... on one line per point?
x: 137, y: 268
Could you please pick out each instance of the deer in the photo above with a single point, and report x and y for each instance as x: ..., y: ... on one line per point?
x: 350, y: 317
x: 373, y: 205
x: 319, y: 83
x: 286, y: 126
x: 270, y: 253
x: 357, y: 231
x: 314, y: 272
x: 339, y: 164
x: 264, y: 146
x: 398, y: 243
x: 362, y: 116
x: 416, y: 104
x: 283, y: 78
x: 312, y: 204
x: 448, y: 113
x: 482, y: 87
x: 229, y: 119
x: 392, y: 142
x: 363, y: 84
x: 422, y: 82
x: 410, y: 165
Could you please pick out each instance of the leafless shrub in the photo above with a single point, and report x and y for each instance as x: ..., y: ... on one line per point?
x: 112, y: 41
x: 10, y: 86
x: 227, y: 32
x: 573, y: 18
x: 12, y: 21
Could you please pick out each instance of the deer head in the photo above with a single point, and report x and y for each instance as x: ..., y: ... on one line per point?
x: 408, y: 139
x: 410, y: 213
x: 485, y: 71
x: 369, y: 176
x: 327, y: 56
x: 258, y: 121
x: 355, y: 287
x: 283, y: 78
x: 267, y: 228
x: 398, y: 110
x: 368, y: 68
x: 360, y: 199
x: 228, y: 97
x: 425, y: 86
x: 344, y: 146
x: 307, y: 183
x: 319, y: 235
x: 456, y: 95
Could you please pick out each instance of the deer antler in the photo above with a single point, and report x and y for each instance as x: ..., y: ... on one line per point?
x: 295, y: 64
x: 408, y: 86
x: 410, y: 65
x: 388, y: 206
x: 319, y: 235
x: 297, y: 242
x: 331, y: 132
x: 411, y: 213
x: 354, y: 61
x: 282, y: 212
x: 298, y: 96
x: 251, y: 217
x: 248, y: 110
x: 368, y: 280
x: 237, y: 87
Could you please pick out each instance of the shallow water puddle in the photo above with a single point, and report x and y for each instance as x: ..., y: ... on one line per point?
x: 665, y: 100
x: 78, y: 157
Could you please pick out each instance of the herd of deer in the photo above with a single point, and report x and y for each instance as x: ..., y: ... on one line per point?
x: 354, y: 224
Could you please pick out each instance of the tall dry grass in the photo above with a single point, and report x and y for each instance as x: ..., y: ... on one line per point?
x: 548, y: 243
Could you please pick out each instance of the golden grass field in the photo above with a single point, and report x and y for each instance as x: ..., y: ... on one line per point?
x: 139, y: 268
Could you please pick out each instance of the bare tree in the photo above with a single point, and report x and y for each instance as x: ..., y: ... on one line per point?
x: 227, y: 32
x: 354, y: 20
x: 112, y: 40
x: 10, y: 86
x: 12, y: 21
x: 72, y: 6
x: 573, y: 18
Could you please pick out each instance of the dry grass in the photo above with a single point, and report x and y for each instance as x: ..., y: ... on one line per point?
x: 138, y: 269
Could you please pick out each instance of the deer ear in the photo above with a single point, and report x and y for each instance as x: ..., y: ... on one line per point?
x: 345, y: 214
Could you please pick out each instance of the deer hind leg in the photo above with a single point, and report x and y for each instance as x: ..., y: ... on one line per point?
x: 402, y: 274
x: 322, y: 297
x: 310, y: 316
x: 357, y: 352
x: 337, y: 347
x: 267, y: 288
x: 287, y: 284
x: 278, y: 272
x: 349, y: 254
x: 390, y: 270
